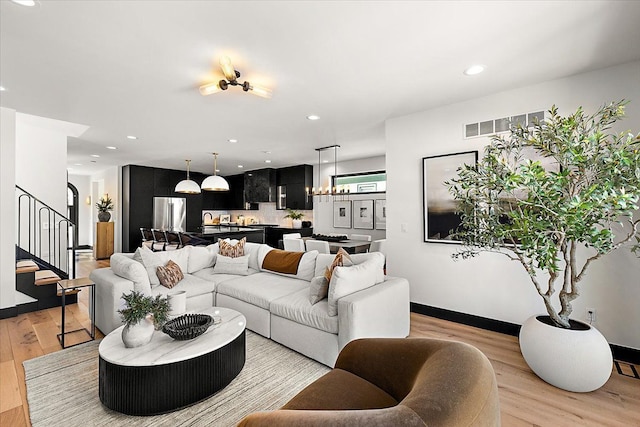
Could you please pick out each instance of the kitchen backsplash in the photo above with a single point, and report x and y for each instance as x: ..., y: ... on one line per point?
x: 266, y: 214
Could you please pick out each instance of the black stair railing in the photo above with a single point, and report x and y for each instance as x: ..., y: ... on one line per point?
x: 46, y: 233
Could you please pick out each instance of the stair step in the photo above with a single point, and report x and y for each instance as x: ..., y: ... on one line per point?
x: 26, y: 266
x: 46, y: 277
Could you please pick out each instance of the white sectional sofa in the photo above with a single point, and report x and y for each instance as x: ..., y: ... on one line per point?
x: 276, y: 305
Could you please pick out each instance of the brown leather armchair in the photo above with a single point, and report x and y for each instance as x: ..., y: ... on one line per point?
x: 396, y: 382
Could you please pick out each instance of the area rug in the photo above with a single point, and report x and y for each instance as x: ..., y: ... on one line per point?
x: 62, y: 389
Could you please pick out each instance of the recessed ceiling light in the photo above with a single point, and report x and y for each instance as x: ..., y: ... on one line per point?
x: 325, y: 161
x: 111, y: 147
x: 217, y: 170
x: 77, y: 164
x: 313, y: 117
x: 233, y: 141
x: 473, y: 70
x: 267, y: 161
x: 240, y: 166
x: 132, y: 137
x: 95, y: 155
x: 2, y: 89
x: 28, y: 3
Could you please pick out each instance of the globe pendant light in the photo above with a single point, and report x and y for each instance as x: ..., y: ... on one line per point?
x: 186, y: 185
x: 215, y: 182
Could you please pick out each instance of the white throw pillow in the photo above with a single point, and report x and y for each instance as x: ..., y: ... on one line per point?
x: 318, y: 289
x: 151, y: 262
x: 126, y: 267
x: 201, y: 257
x: 324, y: 260
x: 179, y: 256
x: 227, y: 265
x: 347, y: 280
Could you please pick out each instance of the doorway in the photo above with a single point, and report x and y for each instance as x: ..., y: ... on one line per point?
x: 72, y: 213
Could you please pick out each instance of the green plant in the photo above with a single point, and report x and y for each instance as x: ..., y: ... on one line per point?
x: 543, y: 216
x: 105, y: 204
x: 138, y: 306
x: 293, y: 214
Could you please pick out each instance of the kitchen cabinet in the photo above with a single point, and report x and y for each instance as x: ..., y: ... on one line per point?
x: 260, y: 185
x: 274, y: 234
x: 292, y: 183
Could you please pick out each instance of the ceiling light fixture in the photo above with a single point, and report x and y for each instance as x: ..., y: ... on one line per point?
x: 473, y: 70
x: 215, y: 182
x: 132, y: 137
x: 341, y: 193
x: 95, y: 155
x: 267, y: 161
x: 111, y: 147
x: 2, y: 89
x: 233, y: 141
x: 187, y: 186
x: 28, y: 3
x: 313, y: 117
x: 232, y: 76
x: 240, y: 166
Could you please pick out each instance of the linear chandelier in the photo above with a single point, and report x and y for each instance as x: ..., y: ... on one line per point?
x: 232, y: 76
x: 339, y: 193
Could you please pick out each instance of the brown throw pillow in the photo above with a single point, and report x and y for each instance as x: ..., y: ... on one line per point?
x: 169, y: 275
x: 232, y: 251
x: 342, y: 258
x: 285, y: 262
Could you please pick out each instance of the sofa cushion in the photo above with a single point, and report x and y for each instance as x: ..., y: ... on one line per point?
x: 152, y: 260
x: 324, y: 260
x: 296, y: 307
x: 209, y: 274
x: 318, y: 289
x: 201, y: 257
x: 261, y: 288
x: 232, y: 265
x: 126, y: 267
x: 347, y: 280
x: 341, y: 390
x: 191, y: 284
x: 169, y: 275
x: 232, y: 250
x: 306, y: 267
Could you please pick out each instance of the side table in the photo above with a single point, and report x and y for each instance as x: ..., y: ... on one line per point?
x: 72, y: 285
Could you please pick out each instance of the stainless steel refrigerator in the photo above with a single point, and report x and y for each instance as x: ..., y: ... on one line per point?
x: 170, y: 213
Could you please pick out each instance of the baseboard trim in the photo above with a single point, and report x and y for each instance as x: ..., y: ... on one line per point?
x: 8, y: 312
x: 626, y: 354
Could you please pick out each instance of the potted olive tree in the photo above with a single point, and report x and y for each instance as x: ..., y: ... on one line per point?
x: 555, y: 197
x: 296, y: 218
x: 142, y: 314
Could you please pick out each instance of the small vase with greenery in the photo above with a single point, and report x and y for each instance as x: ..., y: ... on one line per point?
x: 142, y: 314
x: 104, y: 206
x: 296, y: 217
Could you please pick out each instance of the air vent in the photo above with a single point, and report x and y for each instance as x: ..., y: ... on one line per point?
x: 490, y: 127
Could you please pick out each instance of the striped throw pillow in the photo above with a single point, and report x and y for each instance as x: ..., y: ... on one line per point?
x: 232, y: 251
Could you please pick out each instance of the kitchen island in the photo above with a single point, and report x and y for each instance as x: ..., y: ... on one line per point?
x: 214, y: 232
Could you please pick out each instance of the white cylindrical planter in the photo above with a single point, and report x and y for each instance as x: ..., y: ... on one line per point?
x: 577, y: 360
x: 138, y: 334
x: 177, y: 302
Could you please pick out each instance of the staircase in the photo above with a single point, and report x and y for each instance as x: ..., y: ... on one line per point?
x: 45, y: 254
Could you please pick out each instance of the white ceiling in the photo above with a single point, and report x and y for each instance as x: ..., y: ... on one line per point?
x: 134, y: 67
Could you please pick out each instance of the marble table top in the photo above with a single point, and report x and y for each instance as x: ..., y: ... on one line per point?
x: 163, y: 349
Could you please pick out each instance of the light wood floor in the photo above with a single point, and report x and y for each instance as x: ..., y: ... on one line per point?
x: 525, y: 399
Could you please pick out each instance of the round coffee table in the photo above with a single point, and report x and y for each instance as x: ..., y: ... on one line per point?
x: 166, y: 374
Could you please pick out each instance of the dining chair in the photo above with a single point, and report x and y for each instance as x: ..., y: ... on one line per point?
x: 364, y: 237
x: 379, y: 246
x: 293, y: 245
x: 159, y: 240
x: 321, y: 246
x: 147, y: 237
x: 292, y: 236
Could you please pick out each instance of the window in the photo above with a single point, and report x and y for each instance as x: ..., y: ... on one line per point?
x: 368, y: 182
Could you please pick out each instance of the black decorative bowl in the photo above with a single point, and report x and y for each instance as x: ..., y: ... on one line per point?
x: 187, y: 326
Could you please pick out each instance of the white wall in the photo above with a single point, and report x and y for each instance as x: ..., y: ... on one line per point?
x: 108, y: 181
x: 85, y: 211
x: 7, y: 208
x: 323, y: 208
x: 490, y: 285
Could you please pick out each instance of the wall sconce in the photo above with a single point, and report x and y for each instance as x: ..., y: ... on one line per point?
x: 88, y: 200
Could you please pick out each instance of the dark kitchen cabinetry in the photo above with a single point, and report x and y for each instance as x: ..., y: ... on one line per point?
x: 260, y: 185
x: 272, y: 235
x: 292, y: 183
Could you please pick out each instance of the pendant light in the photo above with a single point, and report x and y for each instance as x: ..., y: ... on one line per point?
x: 187, y: 186
x: 215, y: 182
x: 339, y: 194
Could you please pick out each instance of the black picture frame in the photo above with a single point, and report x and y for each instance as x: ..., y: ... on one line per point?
x: 438, y: 205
